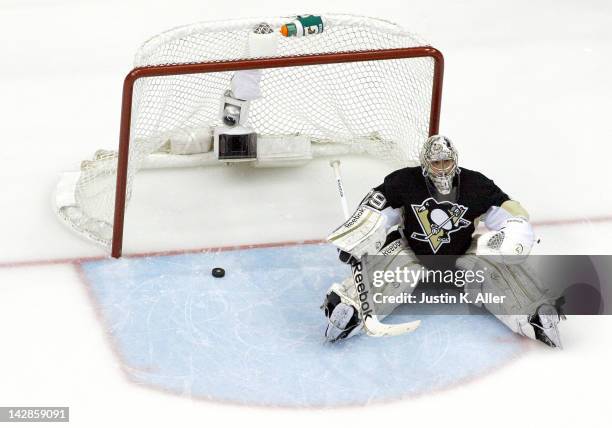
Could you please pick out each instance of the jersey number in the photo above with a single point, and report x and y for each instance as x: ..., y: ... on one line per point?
x: 376, y: 200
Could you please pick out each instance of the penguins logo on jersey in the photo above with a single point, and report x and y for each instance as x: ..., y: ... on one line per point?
x: 438, y: 220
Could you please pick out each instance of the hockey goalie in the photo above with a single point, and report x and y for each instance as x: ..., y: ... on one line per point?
x: 434, y: 210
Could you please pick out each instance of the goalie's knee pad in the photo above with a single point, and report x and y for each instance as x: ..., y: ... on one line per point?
x: 518, y: 284
x: 397, y: 256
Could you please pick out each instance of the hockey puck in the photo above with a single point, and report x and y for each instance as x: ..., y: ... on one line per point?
x: 218, y: 272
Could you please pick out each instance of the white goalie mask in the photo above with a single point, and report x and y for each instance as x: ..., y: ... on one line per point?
x: 439, y: 162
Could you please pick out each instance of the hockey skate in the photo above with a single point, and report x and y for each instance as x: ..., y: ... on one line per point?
x: 342, y: 319
x: 545, y: 324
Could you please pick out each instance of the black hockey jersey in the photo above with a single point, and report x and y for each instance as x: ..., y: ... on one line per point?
x: 433, y: 226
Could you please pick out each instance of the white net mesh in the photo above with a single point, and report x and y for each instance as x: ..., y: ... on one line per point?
x: 381, y: 108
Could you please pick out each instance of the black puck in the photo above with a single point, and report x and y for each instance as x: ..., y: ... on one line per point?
x: 218, y: 272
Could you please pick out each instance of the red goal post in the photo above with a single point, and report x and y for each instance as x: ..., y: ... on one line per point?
x: 238, y: 91
x: 249, y: 64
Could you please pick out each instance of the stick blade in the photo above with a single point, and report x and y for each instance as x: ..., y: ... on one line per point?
x: 375, y: 328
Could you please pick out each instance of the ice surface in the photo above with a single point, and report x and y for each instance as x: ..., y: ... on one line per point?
x: 526, y: 98
x: 256, y: 335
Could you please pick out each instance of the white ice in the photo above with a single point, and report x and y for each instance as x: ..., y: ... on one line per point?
x: 526, y: 98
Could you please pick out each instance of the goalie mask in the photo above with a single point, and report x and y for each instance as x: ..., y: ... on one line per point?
x: 439, y: 162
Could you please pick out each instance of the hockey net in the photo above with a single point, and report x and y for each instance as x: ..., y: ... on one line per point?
x: 363, y: 85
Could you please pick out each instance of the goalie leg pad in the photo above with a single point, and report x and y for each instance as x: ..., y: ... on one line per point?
x: 397, y: 256
x: 527, y: 308
x: 523, y: 292
x: 341, y: 322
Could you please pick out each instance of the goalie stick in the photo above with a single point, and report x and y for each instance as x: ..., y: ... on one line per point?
x: 371, y: 325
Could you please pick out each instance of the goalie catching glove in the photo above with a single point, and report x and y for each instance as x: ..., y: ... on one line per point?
x: 514, y: 238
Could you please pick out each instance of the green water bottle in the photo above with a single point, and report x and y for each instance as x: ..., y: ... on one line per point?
x: 303, y: 25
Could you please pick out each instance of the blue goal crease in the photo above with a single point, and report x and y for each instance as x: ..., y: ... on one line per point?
x: 255, y: 336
